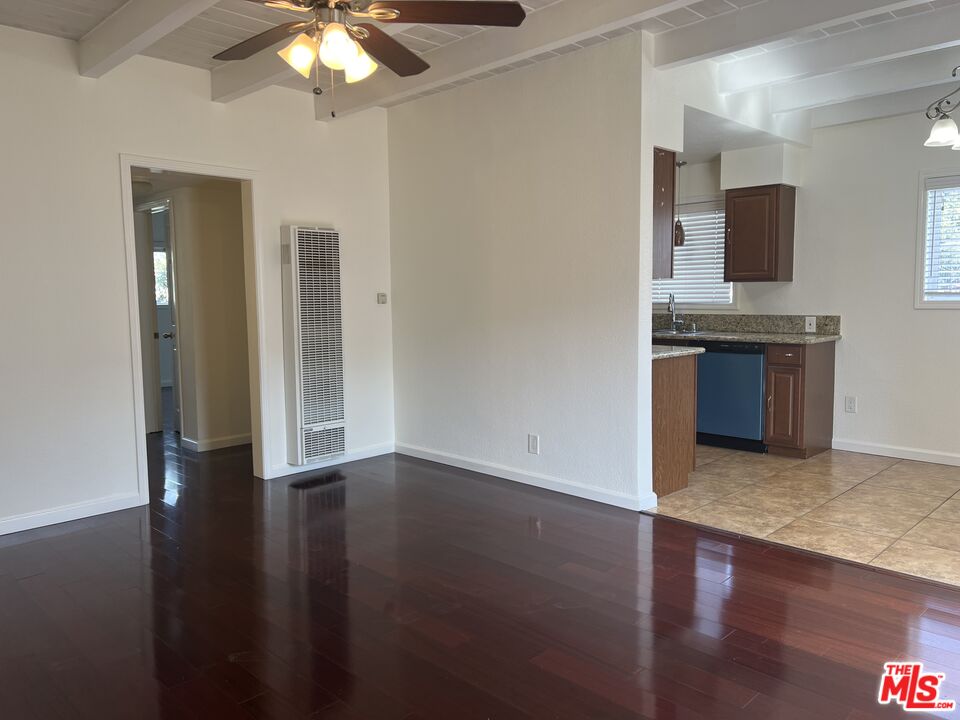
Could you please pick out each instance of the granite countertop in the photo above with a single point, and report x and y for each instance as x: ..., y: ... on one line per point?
x: 662, y: 352
x: 751, y: 337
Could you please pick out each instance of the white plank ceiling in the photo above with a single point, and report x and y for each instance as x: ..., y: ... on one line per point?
x: 818, y: 47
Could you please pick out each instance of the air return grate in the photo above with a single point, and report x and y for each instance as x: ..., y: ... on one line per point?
x: 314, y: 352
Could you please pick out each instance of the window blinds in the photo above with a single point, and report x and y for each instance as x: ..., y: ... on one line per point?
x: 941, y: 252
x: 698, y: 265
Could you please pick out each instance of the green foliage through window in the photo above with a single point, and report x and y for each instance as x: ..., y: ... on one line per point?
x: 160, y: 277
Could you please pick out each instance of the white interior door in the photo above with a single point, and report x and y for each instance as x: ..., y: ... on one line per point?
x: 174, y: 321
x: 166, y: 315
x: 146, y: 290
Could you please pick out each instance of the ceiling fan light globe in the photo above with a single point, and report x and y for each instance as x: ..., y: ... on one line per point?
x: 300, y: 54
x: 943, y: 134
x: 362, y: 66
x: 337, y: 48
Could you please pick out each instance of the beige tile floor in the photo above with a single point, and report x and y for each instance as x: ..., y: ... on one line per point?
x: 895, y: 514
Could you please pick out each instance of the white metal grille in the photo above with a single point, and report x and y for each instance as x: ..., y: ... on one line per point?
x: 321, y: 339
x: 315, y: 364
x: 698, y: 265
x: 323, y: 442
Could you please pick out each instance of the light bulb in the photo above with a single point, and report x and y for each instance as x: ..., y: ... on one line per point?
x: 359, y: 67
x: 300, y: 54
x: 944, y: 133
x: 337, y: 47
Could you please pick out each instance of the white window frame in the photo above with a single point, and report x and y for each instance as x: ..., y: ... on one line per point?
x: 734, y: 305
x: 947, y: 178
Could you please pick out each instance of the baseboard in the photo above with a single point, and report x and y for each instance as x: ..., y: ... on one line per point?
x: 545, y: 482
x: 66, y: 513
x: 357, y: 454
x: 215, y: 443
x: 896, y: 451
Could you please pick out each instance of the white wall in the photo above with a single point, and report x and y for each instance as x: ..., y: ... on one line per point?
x: 517, y: 267
x: 855, y: 256
x: 700, y: 181
x: 67, y: 444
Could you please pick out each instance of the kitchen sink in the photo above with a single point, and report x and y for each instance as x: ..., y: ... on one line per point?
x: 681, y: 333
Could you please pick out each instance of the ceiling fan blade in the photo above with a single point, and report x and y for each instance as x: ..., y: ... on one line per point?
x: 454, y: 12
x: 251, y: 46
x: 389, y: 52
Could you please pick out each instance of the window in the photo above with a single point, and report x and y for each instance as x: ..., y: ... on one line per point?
x: 698, y: 265
x: 160, y: 277
x: 938, y: 252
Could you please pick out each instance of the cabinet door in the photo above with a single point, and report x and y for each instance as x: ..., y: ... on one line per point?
x: 752, y: 223
x: 664, y: 168
x: 784, y: 406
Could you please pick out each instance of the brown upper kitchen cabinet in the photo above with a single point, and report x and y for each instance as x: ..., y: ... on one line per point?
x: 760, y: 223
x: 664, y: 168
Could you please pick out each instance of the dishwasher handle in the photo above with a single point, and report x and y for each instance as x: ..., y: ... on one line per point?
x: 738, y: 348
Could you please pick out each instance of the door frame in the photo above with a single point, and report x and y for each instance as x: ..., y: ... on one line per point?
x: 253, y: 283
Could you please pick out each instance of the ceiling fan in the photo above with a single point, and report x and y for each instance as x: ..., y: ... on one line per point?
x: 333, y: 37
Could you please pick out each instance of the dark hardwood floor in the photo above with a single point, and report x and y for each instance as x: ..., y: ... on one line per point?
x: 401, y: 589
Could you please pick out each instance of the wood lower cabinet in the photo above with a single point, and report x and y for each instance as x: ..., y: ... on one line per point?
x: 799, y: 396
x: 664, y: 177
x: 759, y: 242
x: 674, y: 422
x: 784, y: 402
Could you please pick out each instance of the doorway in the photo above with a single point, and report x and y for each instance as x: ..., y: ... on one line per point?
x: 191, y: 280
x: 158, y: 319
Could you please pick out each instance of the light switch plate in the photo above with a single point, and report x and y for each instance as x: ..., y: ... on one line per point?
x: 811, y: 324
x: 381, y: 298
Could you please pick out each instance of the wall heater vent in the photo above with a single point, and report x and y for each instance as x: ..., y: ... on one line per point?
x: 313, y: 351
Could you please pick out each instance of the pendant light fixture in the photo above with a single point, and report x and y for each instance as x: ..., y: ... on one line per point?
x: 679, y: 235
x: 944, y: 132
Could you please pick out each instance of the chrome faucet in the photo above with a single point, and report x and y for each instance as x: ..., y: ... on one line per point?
x: 676, y: 321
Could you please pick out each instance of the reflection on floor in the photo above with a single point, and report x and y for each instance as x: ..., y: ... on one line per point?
x: 169, y: 409
x: 895, y: 514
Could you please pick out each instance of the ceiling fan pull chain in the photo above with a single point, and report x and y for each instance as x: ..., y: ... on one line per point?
x: 317, y: 90
x: 333, y: 96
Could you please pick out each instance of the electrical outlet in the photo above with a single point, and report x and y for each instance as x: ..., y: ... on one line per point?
x: 850, y: 403
x: 811, y: 324
x: 533, y: 444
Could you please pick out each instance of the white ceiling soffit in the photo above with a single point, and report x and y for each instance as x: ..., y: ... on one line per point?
x: 705, y: 136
